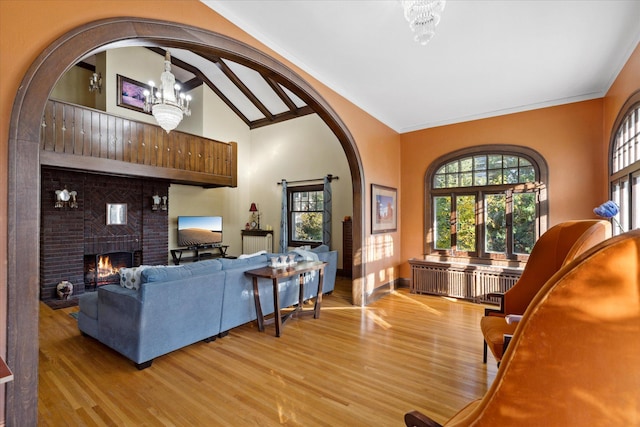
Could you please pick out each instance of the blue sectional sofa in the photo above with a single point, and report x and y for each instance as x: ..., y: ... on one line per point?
x: 170, y: 307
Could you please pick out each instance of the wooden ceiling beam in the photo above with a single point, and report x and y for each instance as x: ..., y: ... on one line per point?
x: 200, y: 78
x: 242, y: 87
x: 282, y: 117
x: 192, y: 84
x: 271, y: 79
x: 281, y: 93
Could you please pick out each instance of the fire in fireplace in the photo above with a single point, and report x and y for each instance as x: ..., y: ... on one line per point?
x: 102, y: 269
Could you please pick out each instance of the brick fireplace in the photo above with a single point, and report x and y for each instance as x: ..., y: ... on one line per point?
x: 72, y: 239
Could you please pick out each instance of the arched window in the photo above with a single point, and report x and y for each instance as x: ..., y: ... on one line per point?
x: 486, y: 202
x: 625, y: 165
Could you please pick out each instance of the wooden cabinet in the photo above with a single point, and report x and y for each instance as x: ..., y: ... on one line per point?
x: 347, y: 247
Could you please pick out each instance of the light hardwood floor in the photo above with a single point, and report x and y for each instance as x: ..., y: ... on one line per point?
x: 351, y: 367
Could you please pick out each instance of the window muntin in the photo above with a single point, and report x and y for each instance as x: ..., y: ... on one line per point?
x: 486, y: 204
x: 635, y: 202
x: 524, y: 222
x: 627, y: 142
x: 495, y: 223
x: 485, y: 169
x: 465, y: 230
x: 306, y: 206
x: 442, y: 223
x: 625, y: 166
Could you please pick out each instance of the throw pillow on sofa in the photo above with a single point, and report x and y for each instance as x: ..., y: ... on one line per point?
x: 130, y: 278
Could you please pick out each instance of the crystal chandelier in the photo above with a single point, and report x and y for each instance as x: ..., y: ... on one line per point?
x: 167, y: 104
x: 423, y: 16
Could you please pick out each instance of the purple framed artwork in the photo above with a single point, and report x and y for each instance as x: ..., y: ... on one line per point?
x: 131, y: 94
x: 384, y: 209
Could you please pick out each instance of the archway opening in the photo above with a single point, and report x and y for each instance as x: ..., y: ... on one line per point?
x: 24, y: 171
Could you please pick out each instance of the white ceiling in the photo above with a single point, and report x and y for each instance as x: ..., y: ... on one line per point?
x: 487, y: 58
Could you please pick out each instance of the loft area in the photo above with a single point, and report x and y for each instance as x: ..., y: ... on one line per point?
x: 77, y: 137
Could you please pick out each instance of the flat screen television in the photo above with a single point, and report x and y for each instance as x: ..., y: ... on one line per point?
x: 196, y: 231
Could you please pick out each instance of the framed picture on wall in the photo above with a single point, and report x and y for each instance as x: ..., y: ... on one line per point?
x: 116, y: 213
x: 131, y: 94
x: 384, y: 209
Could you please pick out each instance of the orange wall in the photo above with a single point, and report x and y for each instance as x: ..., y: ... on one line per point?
x: 568, y: 137
x: 574, y: 140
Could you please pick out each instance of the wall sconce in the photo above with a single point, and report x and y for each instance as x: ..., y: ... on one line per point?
x: 66, y: 198
x: 255, y: 217
x: 159, y: 203
x: 95, y: 83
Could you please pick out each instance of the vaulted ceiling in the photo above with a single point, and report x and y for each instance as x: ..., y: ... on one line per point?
x: 487, y: 58
x: 254, y: 96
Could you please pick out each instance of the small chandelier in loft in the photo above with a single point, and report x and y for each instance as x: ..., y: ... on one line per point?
x: 167, y: 104
x: 423, y: 16
x: 95, y: 82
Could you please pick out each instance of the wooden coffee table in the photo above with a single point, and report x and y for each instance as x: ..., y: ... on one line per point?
x: 275, y: 274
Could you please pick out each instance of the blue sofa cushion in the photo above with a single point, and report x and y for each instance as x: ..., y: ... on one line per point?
x: 88, y: 304
x: 320, y: 249
x: 170, y: 273
x: 204, y: 267
x: 241, y: 263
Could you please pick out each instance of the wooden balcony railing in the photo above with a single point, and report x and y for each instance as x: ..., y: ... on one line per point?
x: 82, y: 138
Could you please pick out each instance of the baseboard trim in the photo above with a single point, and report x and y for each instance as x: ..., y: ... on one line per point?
x: 344, y: 273
x: 403, y: 282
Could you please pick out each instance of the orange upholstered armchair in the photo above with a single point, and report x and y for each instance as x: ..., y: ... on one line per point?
x: 574, y: 357
x: 558, y: 246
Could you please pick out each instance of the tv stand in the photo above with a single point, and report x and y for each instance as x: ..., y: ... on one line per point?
x: 215, y: 250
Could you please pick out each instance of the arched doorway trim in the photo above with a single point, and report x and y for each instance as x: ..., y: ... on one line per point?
x: 24, y: 171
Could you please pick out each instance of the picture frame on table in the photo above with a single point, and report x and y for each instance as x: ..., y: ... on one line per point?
x: 131, y: 94
x: 384, y: 209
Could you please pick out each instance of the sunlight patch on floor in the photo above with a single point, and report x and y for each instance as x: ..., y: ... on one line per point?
x: 422, y: 305
x: 378, y: 320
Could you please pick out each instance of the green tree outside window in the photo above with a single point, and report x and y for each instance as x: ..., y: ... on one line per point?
x: 485, y: 204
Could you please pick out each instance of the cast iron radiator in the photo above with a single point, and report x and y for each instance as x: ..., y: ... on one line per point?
x: 468, y: 281
x: 253, y: 244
